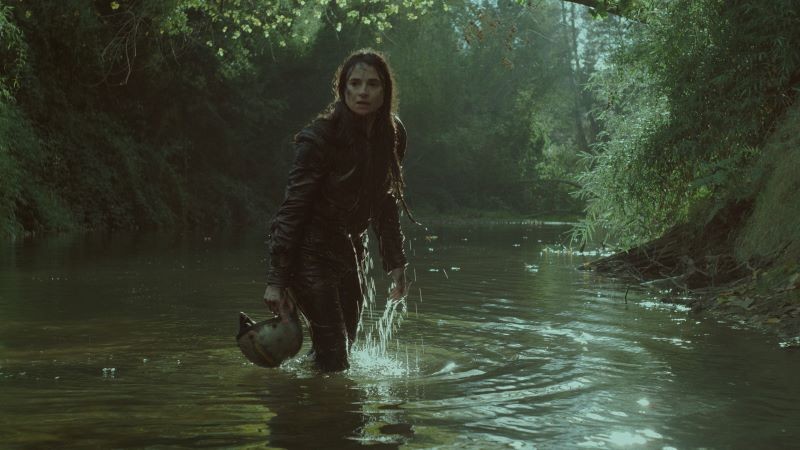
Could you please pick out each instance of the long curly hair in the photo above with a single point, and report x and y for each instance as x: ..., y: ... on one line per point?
x: 351, y: 128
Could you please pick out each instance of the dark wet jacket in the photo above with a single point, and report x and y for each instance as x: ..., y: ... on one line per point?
x: 332, y: 196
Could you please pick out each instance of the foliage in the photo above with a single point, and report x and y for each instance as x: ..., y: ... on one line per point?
x: 240, y: 32
x: 688, y: 104
x: 485, y: 115
x: 9, y: 174
x: 771, y: 231
x: 169, y: 113
x: 148, y: 113
x: 13, y: 54
x: 27, y: 196
x: 618, y: 199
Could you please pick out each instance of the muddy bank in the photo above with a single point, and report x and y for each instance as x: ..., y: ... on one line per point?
x: 684, y: 268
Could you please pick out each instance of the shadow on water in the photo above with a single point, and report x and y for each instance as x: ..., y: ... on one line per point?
x: 318, y: 410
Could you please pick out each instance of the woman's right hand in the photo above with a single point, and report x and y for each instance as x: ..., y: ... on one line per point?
x: 277, y: 300
x: 400, y: 285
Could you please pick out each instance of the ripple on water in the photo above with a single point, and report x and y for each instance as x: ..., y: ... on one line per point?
x: 512, y: 351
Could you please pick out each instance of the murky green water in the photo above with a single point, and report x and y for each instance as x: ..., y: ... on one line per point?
x: 127, y: 341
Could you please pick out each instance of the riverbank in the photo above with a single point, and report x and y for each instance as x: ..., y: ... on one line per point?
x: 770, y: 303
x: 768, y: 300
x: 738, y: 258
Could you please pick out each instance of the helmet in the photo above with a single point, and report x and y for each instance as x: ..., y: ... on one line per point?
x: 270, y: 342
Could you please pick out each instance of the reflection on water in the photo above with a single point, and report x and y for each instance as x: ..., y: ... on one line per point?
x: 127, y: 341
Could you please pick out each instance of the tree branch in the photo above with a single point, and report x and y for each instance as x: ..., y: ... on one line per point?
x: 623, y: 8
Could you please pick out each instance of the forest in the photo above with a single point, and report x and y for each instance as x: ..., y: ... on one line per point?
x: 666, y: 127
x: 149, y: 114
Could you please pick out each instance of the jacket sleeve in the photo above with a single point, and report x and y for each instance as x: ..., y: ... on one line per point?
x: 302, y: 189
x: 386, y: 222
x: 390, y: 237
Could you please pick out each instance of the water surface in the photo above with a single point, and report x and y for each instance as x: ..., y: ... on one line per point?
x: 118, y: 341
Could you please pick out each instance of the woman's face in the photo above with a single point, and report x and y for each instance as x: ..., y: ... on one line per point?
x: 364, y: 91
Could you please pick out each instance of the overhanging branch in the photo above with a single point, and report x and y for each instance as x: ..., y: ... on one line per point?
x: 622, y: 8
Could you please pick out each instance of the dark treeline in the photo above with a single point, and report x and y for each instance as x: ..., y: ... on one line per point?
x: 144, y: 113
x: 151, y: 114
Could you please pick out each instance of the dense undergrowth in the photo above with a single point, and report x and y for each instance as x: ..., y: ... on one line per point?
x: 744, y: 260
x: 180, y: 113
x: 696, y: 169
x: 688, y: 106
x: 81, y: 147
x: 149, y: 114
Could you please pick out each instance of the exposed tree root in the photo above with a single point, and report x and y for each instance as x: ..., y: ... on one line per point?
x: 687, y: 256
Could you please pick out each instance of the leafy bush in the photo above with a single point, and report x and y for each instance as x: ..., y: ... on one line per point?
x: 9, y: 174
x: 689, y: 103
x: 13, y: 54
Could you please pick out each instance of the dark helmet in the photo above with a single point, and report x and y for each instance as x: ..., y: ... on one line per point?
x: 270, y: 342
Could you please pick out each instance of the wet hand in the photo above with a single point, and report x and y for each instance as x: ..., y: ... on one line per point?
x: 278, y: 302
x: 400, y: 284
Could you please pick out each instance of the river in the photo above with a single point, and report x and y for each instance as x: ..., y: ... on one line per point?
x: 127, y: 341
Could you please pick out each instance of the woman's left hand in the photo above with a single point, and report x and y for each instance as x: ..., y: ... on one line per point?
x: 399, y: 284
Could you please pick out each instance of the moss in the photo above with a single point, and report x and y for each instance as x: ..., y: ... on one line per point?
x: 772, y: 234
x: 767, y: 244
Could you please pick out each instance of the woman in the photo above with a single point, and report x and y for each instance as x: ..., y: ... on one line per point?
x: 346, y: 175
